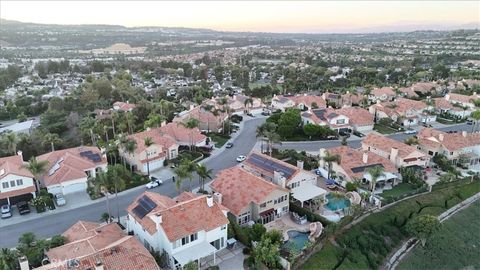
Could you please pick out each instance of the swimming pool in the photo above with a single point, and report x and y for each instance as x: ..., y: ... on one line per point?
x: 336, y: 203
x: 296, y: 240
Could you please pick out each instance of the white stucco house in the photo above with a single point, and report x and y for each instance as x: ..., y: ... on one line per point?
x: 16, y: 182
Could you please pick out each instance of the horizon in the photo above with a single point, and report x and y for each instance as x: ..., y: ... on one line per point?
x: 302, y: 17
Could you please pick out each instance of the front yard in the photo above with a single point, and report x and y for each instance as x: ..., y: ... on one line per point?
x: 219, y: 139
x: 384, y: 129
x: 455, y: 246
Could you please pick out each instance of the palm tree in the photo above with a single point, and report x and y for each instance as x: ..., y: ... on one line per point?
x: 268, y: 132
x: 51, y: 139
x: 37, y: 168
x: 246, y: 102
x: 101, y: 185
x: 11, y: 141
x: 112, y: 150
x: 203, y: 173
x: 190, y: 124
x: 375, y: 172
x: 190, y: 167
x: 130, y: 147
x: 476, y: 117
x: 8, y: 259
x: 148, y: 141
x: 122, y: 143
x: 330, y: 159
x: 182, y: 173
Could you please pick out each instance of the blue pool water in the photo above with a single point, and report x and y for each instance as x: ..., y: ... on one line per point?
x: 335, y: 203
x: 296, y: 240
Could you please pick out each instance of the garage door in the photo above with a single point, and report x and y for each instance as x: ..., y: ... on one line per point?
x: 74, y: 188
x: 154, y: 165
x: 55, y: 189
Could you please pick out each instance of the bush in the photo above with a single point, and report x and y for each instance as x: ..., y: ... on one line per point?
x: 312, y: 217
x: 241, y: 234
x: 246, y: 250
x: 351, y: 186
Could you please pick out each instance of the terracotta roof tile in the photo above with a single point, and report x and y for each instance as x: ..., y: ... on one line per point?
x: 181, y: 134
x: 13, y: 165
x: 386, y: 144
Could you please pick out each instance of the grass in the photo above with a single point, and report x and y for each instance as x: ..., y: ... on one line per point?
x: 367, y: 244
x: 398, y: 190
x: 384, y: 129
x: 446, y: 121
x: 219, y: 139
x: 455, y: 246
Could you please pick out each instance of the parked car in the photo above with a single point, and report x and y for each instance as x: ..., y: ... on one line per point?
x: 452, y: 131
x: 60, y: 199
x: 6, y: 211
x: 265, y: 113
x: 241, y: 158
x: 332, y: 137
x: 23, y: 207
x: 426, y: 125
x: 469, y: 122
x: 410, y: 131
x: 229, y: 145
x: 154, y: 182
x: 344, y: 134
x: 358, y: 134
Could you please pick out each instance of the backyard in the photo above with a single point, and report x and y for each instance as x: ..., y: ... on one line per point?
x: 366, y: 244
x: 398, y: 190
x: 455, y: 246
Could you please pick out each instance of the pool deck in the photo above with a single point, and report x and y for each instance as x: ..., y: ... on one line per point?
x: 285, y: 224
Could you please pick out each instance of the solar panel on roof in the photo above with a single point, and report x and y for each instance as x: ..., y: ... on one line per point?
x: 363, y: 168
x: 145, y: 206
x: 85, y: 153
x: 270, y: 165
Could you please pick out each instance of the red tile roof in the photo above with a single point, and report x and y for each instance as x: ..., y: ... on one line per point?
x: 123, y: 106
x: 383, y: 91
x: 17, y: 192
x: 451, y: 141
x: 181, y: 134
x: 357, y: 116
x: 13, y: 165
x: 157, y: 138
x: 182, y: 218
x: 386, y: 144
x: 239, y: 188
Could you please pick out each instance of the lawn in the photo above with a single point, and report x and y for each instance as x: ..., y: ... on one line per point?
x: 398, y: 190
x: 384, y: 129
x: 219, y: 139
x: 455, y: 246
x: 367, y: 244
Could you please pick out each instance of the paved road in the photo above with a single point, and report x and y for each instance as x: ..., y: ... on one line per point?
x: 355, y: 141
x: 56, y: 223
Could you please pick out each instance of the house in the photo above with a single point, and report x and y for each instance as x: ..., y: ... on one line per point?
x: 91, y: 245
x: 462, y: 100
x: 208, y: 121
x: 359, y: 119
x: 382, y: 94
x: 123, y: 106
x: 239, y: 105
x: 354, y: 165
x: 153, y: 157
x: 426, y: 88
x: 187, y: 228
x: 399, y: 153
x: 441, y: 105
x: 68, y: 170
x: 16, y: 182
x: 326, y: 117
x: 332, y: 99
x: 348, y: 99
x: 249, y: 197
x: 406, y: 112
x: 302, y: 183
x: 408, y: 92
x: 182, y: 135
x: 453, y: 145
x: 19, y: 128
x: 302, y: 102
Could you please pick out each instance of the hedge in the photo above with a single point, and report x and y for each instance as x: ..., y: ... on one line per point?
x: 312, y: 217
x: 241, y: 234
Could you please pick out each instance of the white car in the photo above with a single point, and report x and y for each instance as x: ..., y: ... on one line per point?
x: 6, y: 211
x: 241, y: 158
x: 410, y: 131
x: 154, y: 182
x: 60, y: 199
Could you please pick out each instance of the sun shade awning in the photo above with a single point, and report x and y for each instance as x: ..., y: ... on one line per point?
x: 198, y: 251
x: 307, y: 192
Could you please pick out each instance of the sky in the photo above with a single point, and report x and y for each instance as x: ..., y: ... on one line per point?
x: 254, y: 16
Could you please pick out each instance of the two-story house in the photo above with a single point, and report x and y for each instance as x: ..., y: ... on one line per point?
x: 462, y: 100
x: 208, y: 121
x: 302, y: 183
x: 406, y: 112
x: 383, y: 94
x: 249, y: 197
x: 187, y: 228
x: 182, y: 135
x: 68, y: 170
x: 399, y: 153
x: 354, y: 165
x: 16, y: 182
x: 454, y: 146
x: 163, y: 148
x: 326, y: 117
x: 302, y: 102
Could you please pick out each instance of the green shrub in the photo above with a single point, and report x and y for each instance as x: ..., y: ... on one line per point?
x: 241, y: 234
x: 351, y: 186
x: 312, y: 217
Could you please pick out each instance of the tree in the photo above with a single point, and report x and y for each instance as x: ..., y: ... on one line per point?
x: 267, y: 252
x: 190, y: 266
x: 203, y: 173
x: 148, y: 141
x: 154, y: 120
x: 105, y: 217
x: 247, y: 102
x: 330, y: 159
x: 101, y: 185
x: 257, y: 231
x: 37, y: 168
x: 344, y: 141
x: 268, y: 132
x: 130, y: 147
x: 190, y: 124
x: 310, y: 130
x: 289, y: 122
x: 8, y: 259
x: 182, y: 173
x: 11, y: 142
x: 21, y: 117
x: 476, y: 118
x: 375, y: 173
x: 423, y: 227
x: 51, y: 139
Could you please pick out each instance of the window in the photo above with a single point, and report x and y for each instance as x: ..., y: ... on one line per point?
x: 263, y: 205
x: 340, y: 121
x: 185, y: 240
x: 193, y: 237
x: 12, y: 183
x: 224, y: 227
x: 19, y: 182
x: 295, y: 184
x: 5, y: 185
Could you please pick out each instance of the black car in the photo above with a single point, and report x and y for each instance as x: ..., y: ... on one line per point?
x: 229, y: 145
x: 358, y: 134
x: 469, y: 122
x: 23, y: 208
x: 344, y: 134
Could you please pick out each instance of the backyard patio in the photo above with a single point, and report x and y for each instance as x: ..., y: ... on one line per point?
x: 285, y: 224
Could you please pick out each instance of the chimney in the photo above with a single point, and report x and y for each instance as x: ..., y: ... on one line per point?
x: 234, y: 97
x: 393, y: 154
x: 447, y: 97
x: 300, y: 164
x: 192, y: 107
x: 23, y: 261
x: 279, y: 179
x: 365, y: 157
x: 209, y: 200
x: 378, y: 101
x: 440, y: 137
x: 217, y: 197
x: 99, y: 265
x: 148, y: 128
x: 305, y: 94
x: 20, y: 153
x: 157, y: 219
x: 164, y: 123
x: 464, y: 133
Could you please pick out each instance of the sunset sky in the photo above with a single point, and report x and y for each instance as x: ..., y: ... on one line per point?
x: 265, y: 16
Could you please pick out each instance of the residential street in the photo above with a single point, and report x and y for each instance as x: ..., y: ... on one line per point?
x: 53, y: 223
